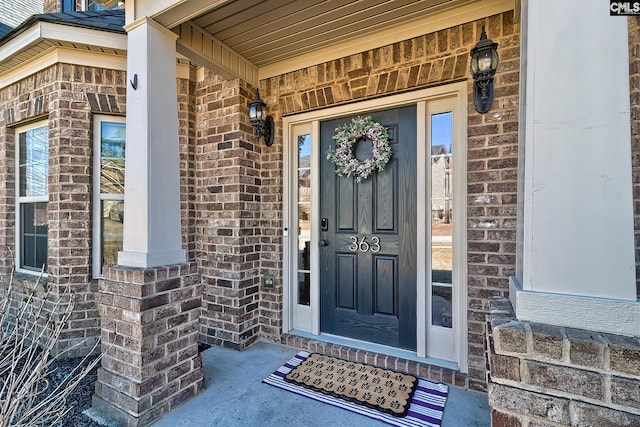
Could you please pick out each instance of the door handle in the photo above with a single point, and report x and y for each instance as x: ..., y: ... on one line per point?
x: 324, y: 242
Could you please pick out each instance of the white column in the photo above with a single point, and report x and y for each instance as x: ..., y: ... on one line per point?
x: 576, y: 243
x: 152, y: 230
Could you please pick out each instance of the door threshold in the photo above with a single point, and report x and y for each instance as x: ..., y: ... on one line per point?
x: 377, y: 348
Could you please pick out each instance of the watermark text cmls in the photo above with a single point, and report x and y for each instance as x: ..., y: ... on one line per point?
x: 624, y: 8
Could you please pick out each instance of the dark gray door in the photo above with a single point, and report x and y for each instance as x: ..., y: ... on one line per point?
x: 370, y: 293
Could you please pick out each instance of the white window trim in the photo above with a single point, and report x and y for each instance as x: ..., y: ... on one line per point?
x: 25, y: 199
x: 438, y: 336
x: 97, y: 196
x: 292, y: 126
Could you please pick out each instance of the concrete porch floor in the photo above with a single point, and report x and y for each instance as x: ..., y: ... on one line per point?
x: 234, y: 395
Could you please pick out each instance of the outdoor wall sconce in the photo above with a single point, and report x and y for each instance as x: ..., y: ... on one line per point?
x: 261, y: 122
x: 484, y: 61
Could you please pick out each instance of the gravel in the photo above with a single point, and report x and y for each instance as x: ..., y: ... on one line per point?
x: 80, y: 398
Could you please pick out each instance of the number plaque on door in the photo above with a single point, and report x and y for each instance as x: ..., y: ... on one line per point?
x: 360, y: 244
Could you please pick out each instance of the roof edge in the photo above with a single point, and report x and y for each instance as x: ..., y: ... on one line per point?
x: 82, y: 20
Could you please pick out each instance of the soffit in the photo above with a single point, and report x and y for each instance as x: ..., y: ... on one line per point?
x: 43, y: 37
x: 269, y: 31
x: 44, y: 46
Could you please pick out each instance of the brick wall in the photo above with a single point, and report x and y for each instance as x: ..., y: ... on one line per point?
x: 65, y: 97
x: 634, y: 85
x: 433, y: 59
x: 51, y: 6
x: 271, y: 259
x: 187, y: 142
x: 492, y: 155
x: 7, y: 185
x: 228, y: 209
x: 19, y: 102
x: 548, y: 375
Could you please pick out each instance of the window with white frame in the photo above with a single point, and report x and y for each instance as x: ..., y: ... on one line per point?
x: 94, y: 5
x: 108, y: 184
x: 32, y: 196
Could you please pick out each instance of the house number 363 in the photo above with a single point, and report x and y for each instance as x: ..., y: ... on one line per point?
x: 361, y: 244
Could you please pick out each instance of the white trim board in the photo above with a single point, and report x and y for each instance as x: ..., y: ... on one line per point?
x: 87, y: 36
x: 84, y: 58
x: 64, y: 55
x: 63, y: 33
x: 612, y: 316
x: 375, y: 104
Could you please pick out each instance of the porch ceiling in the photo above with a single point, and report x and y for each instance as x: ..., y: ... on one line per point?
x: 241, y: 36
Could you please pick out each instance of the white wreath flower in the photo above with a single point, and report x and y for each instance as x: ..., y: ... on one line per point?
x: 347, y: 136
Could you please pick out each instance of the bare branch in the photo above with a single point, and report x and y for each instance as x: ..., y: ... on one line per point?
x: 31, y: 323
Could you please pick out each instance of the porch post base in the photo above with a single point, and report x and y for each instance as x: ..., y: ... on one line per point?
x: 149, y: 331
x: 543, y: 374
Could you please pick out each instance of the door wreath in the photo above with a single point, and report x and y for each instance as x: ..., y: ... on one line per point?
x: 347, y: 136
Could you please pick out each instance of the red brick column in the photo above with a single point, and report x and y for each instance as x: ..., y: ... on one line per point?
x: 150, y: 340
x: 228, y: 210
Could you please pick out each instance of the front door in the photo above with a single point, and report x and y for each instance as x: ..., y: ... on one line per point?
x: 368, y: 239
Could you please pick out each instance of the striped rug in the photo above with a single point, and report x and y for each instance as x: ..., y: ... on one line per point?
x: 426, y: 409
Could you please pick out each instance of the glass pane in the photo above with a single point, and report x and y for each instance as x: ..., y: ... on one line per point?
x: 68, y: 5
x: 441, y: 309
x: 95, y: 6
x: 28, y: 252
x: 34, y: 234
x: 41, y: 251
x: 112, y: 219
x: 112, y: 144
x: 441, y: 197
x: 304, y: 218
x: 304, y: 236
x: 27, y: 220
x: 34, y: 162
x: 304, y: 287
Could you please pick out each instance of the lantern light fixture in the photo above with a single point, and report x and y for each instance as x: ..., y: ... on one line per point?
x: 262, y: 123
x: 484, y: 62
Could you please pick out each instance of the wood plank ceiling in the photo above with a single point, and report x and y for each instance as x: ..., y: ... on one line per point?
x: 267, y: 31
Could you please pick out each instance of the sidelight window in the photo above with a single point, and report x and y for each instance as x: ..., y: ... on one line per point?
x: 304, y: 219
x: 109, y: 146
x: 441, y: 220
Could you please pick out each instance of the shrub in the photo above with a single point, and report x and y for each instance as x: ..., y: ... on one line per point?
x: 31, y: 322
